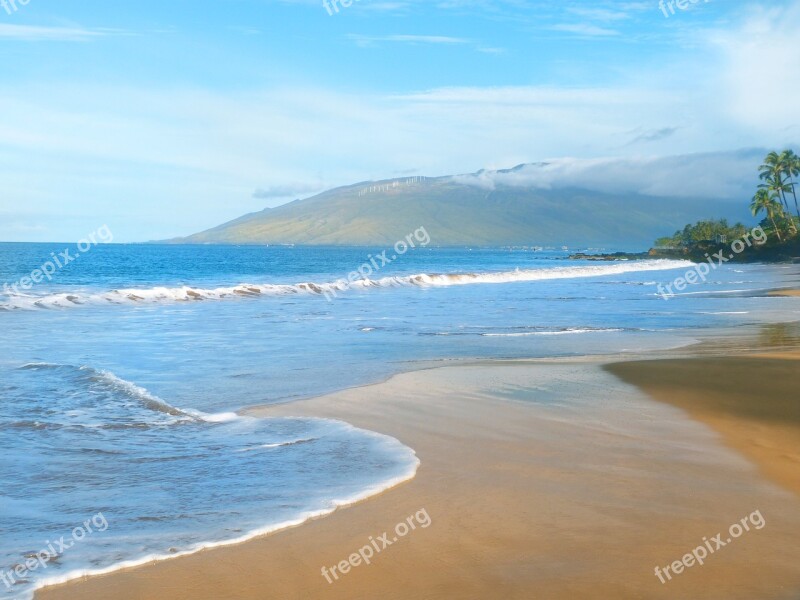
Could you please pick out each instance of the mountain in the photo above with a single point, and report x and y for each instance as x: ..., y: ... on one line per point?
x: 457, y: 211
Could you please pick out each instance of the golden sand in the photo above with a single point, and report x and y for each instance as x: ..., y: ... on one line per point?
x: 754, y: 402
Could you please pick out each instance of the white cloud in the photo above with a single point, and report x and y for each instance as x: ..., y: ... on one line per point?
x: 487, y: 50
x: 287, y: 190
x: 760, y: 77
x: 128, y: 152
x: 367, y: 40
x: 724, y: 175
x: 48, y: 34
x: 599, y: 14
x: 585, y: 29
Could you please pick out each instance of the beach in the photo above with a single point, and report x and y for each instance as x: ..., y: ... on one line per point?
x: 787, y: 293
x: 472, y: 300
x: 749, y: 400
x: 541, y: 478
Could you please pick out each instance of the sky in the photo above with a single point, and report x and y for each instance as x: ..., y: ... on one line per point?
x: 161, y: 119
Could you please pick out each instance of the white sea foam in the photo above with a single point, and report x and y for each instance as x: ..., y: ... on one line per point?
x: 302, y: 518
x: 225, y: 417
x: 134, y: 391
x: 244, y: 290
x: 278, y: 444
x: 132, y: 395
x: 713, y: 292
x: 570, y: 331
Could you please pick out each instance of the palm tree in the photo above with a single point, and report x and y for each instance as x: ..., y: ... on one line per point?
x: 792, y: 169
x: 778, y: 189
x: 772, y: 172
x: 766, y: 201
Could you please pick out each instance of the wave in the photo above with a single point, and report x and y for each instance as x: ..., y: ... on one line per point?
x: 108, y: 381
x: 280, y: 444
x: 566, y: 331
x: 14, y: 301
x: 717, y: 292
x: 133, y: 391
x: 523, y: 331
x: 304, y: 517
x: 138, y: 400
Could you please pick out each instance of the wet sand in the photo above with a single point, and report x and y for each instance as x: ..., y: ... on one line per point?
x: 788, y: 293
x: 754, y: 402
x: 542, y: 480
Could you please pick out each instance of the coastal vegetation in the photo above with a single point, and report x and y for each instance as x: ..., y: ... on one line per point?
x: 775, y: 201
x: 702, y: 232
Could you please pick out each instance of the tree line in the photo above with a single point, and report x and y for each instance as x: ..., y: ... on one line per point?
x: 776, y: 199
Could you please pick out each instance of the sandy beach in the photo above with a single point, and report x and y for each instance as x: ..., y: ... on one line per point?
x: 786, y: 293
x: 749, y: 400
x: 405, y: 300
x: 551, y: 479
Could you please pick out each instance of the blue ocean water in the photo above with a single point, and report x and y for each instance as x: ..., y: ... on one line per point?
x: 121, y: 374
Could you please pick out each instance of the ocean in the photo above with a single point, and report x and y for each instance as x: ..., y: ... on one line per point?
x: 122, y: 373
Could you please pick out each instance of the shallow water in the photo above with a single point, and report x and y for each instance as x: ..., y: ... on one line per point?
x: 118, y: 378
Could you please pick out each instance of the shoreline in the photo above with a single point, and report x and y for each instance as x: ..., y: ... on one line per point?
x: 262, y: 532
x: 401, y: 419
x: 787, y: 293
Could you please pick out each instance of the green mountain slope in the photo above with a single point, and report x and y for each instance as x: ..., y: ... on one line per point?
x: 455, y: 214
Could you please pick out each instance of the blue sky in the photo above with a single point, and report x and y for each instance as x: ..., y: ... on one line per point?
x: 165, y: 118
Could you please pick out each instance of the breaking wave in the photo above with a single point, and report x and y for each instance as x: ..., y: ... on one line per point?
x: 157, y: 295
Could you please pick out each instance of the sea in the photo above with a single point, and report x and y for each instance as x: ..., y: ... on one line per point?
x: 123, y: 372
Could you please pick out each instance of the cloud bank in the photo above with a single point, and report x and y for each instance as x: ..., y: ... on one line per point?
x: 722, y: 175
